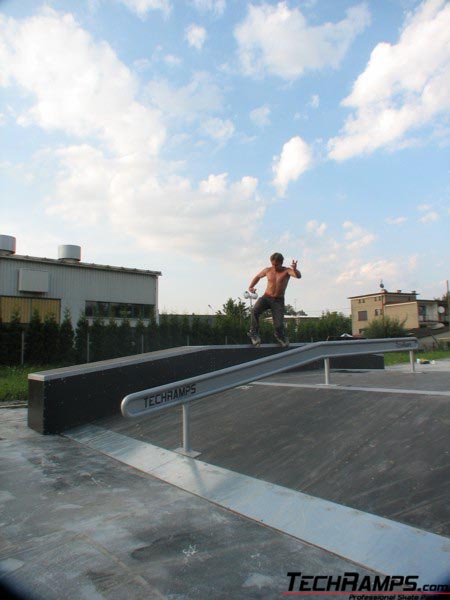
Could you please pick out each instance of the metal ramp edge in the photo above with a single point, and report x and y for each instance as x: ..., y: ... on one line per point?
x: 194, y: 388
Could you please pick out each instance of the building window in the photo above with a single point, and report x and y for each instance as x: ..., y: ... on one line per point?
x: 362, y: 315
x: 118, y: 310
x: 378, y: 312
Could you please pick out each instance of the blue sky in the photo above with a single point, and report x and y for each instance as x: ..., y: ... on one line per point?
x: 196, y: 137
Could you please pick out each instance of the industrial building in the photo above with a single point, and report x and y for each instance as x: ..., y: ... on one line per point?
x: 51, y: 286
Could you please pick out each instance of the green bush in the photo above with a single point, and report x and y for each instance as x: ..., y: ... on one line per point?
x: 385, y: 327
x: 81, y: 340
x: 34, y: 340
x: 66, y: 339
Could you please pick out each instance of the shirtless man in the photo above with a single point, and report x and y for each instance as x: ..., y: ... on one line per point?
x: 273, y: 298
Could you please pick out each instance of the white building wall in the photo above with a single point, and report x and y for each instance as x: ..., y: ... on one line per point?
x: 74, y: 283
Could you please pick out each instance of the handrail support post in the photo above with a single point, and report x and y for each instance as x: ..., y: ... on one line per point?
x: 326, y: 363
x: 186, y: 450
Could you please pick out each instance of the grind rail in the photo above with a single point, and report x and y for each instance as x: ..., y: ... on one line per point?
x: 185, y: 391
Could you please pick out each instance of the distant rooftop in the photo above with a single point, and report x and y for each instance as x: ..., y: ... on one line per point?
x: 82, y: 265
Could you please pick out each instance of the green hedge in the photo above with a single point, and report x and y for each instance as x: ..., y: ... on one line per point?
x: 47, y: 342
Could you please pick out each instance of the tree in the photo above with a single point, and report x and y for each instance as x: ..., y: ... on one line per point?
x: 290, y: 310
x: 385, y: 327
x: 50, y: 330
x: 236, y: 310
x: 152, y: 334
x: 333, y: 324
x: 66, y: 339
x: 139, y: 337
x: 185, y: 330
x: 232, y: 322
x: 165, y: 340
x: 34, y: 340
x: 12, y: 339
x: 81, y: 339
x: 125, y: 338
x: 106, y: 339
x: 97, y: 339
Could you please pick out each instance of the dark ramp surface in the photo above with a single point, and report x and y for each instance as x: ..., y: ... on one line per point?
x: 377, y: 441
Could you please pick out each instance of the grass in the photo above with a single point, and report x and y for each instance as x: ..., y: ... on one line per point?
x: 396, y: 358
x: 14, y: 380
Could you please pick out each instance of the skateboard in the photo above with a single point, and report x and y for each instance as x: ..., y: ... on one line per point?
x: 283, y: 343
x: 255, y: 340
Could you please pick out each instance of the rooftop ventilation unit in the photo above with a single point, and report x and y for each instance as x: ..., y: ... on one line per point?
x: 69, y: 253
x: 7, y: 245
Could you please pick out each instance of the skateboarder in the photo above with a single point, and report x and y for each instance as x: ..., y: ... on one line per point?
x: 273, y: 298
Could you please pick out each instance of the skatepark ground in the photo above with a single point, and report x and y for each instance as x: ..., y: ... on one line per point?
x: 293, y: 476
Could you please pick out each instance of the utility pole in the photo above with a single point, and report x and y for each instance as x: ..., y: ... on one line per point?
x: 448, y: 307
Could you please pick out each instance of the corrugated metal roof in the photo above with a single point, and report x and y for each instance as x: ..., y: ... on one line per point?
x: 66, y: 263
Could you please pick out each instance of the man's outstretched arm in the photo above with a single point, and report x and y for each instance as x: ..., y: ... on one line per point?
x: 293, y: 271
x: 256, y: 278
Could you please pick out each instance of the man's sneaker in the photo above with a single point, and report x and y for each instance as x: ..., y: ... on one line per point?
x: 284, y: 342
x: 255, y: 339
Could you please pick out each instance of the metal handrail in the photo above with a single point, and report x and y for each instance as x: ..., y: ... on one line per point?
x: 194, y: 388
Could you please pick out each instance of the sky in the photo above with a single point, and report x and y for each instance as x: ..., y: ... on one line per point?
x: 197, y: 137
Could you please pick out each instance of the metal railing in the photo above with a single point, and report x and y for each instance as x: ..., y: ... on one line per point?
x: 186, y: 391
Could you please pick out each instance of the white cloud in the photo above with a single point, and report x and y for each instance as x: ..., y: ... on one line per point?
x: 220, y: 130
x: 357, y: 237
x: 278, y: 41
x: 110, y: 174
x: 142, y: 64
x: 294, y: 160
x: 260, y: 116
x: 316, y: 228
x: 314, y: 101
x: 363, y: 273
x: 195, y: 36
x: 395, y: 220
x: 216, y: 6
x: 403, y: 88
x: 215, y: 184
x: 76, y: 85
x: 430, y: 217
x: 83, y: 185
x: 163, y: 213
x: 188, y: 102
x: 413, y: 261
x: 172, y: 60
x: 143, y: 7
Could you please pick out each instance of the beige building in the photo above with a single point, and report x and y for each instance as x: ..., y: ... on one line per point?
x: 404, y: 306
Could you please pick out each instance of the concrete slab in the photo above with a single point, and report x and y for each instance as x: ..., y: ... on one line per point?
x: 76, y: 524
